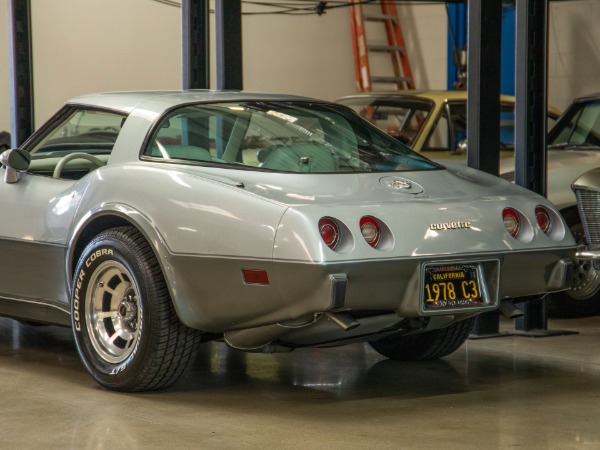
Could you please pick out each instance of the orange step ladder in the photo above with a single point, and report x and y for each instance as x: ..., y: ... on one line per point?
x: 401, y: 76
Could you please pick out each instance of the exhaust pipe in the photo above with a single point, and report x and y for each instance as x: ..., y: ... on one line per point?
x: 260, y: 338
x: 510, y: 310
x: 344, y: 321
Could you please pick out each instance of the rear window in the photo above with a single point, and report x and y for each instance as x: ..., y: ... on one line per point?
x: 401, y: 117
x: 279, y: 136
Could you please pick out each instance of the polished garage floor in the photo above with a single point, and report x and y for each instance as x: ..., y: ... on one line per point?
x: 509, y: 392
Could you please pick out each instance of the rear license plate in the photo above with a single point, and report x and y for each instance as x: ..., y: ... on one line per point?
x: 452, y: 286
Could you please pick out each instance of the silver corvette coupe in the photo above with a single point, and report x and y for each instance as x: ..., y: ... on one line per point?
x: 151, y: 222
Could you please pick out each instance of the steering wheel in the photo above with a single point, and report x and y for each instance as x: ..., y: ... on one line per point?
x: 77, y: 155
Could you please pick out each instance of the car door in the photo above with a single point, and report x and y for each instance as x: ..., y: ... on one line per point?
x: 38, y: 209
x: 37, y: 212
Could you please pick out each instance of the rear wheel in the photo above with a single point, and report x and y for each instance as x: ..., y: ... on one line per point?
x: 583, y: 299
x: 423, y: 346
x: 126, y: 329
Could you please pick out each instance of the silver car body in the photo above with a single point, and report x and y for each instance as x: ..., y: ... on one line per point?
x: 208, y: 223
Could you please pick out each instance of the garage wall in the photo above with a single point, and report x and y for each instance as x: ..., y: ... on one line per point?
x: 82, y: 46
x: 573, y: 50
x: 85, y: 46
x: 425, y: 29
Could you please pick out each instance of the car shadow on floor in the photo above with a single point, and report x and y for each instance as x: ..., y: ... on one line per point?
x: 306, y: 375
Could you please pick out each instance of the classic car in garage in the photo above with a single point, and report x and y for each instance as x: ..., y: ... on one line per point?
x: 573, y: 148
x: 150, y: 222
x: 433, y: 123
x: 587, y: 191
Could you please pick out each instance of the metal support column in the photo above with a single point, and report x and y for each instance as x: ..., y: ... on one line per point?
x: 195, y: 44
x: 483, y: 106
x: 228, y: 24
x: 531, y: 128
x: 20, y: 71
x: 530, y: 118
x: 531, y: 93
x: 483, y: 85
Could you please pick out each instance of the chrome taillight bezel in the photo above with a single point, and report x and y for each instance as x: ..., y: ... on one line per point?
x: 370, y: 229
x: 329, y: 230
x: 512, y: 221
x: 543, y: 219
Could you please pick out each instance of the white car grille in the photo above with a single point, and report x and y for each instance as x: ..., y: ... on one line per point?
x: 589, y: 210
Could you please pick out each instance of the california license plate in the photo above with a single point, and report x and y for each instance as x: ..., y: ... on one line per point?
x: 452, y: 286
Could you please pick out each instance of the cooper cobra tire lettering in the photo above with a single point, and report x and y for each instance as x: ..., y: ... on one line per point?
x: 124, y: 324
x: 97, y: 254
x: 76, y: 302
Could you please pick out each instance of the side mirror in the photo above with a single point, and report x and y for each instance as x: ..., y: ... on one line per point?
x: 15, y: 161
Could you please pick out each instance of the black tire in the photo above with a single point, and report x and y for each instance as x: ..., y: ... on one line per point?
x: 125, y: 326
x: 584, y: 299
x: 424, y: 346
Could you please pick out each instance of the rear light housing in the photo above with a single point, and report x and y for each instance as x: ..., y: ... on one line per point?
x: 512, y: 221
x: 371, y: 230
x: 543, y: 218
x: 330, y: 232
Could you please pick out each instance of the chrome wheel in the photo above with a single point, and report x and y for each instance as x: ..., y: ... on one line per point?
x: 113, y: 312
x: 124, y: 323
x: 586, y: 279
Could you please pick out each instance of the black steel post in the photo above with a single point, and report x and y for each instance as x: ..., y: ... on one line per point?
x: 483, y: 84
x: 195, y: 44
x: 531, y: 94
x: 530, y: 127
x: 20, y: 71
x: 483, y: 106
x: 228, y: 24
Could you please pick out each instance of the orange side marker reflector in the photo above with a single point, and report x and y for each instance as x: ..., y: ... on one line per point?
x: 252, y: 276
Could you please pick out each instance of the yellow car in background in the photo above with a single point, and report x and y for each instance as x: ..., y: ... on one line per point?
x: 433, y: 123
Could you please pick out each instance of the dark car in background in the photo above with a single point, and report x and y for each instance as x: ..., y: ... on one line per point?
x: 4, y: 140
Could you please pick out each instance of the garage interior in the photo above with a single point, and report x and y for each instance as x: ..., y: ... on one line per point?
x: 532, y: 382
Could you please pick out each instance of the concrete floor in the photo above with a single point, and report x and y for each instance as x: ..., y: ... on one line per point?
x: 532, y: 393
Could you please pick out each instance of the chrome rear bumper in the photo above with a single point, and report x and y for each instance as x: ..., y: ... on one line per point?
x: 588, y: 253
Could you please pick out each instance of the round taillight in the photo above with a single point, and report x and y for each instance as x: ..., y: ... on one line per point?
x: 370, y: 229
x: 542, y: 216
x: 511, y: 221
x: 330, y: 232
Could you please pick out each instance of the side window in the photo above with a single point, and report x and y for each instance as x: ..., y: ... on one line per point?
x: 83, y: 130
x: 582, y: 127
x: 439, y: 138
x: 448, y: 132
x: 77, y: 144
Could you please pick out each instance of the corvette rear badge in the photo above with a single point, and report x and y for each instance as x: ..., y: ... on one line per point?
x: 449, y: 225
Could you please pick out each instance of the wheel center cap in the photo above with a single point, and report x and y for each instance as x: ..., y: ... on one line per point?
x: 127, y: 310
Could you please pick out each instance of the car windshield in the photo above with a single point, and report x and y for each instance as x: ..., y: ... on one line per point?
x: 579, y: 127
x: 402, y: 118
x: 280, y: 136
